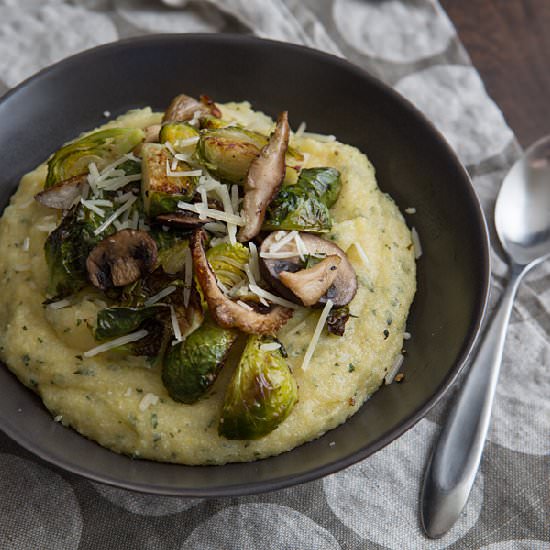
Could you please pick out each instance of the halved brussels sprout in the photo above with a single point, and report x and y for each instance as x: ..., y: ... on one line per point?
x: 101, y: 147
x: 293, y: 208
x: 260, y: 395
x: 161, y: 192
x: 304, y: 206
x: 174, y: 132
x: 192, y: 366
x: 227, y: 153
x: 227, y: 262
x: 113, y: 322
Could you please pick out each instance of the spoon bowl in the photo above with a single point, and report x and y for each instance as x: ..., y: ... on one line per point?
x: 522, y: 211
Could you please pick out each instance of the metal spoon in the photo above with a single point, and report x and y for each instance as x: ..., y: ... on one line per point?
x: 522, y: 221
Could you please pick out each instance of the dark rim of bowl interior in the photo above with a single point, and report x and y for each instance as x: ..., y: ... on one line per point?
x: 336, y: 465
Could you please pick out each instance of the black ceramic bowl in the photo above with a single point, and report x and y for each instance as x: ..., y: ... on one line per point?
x: 413, y: 163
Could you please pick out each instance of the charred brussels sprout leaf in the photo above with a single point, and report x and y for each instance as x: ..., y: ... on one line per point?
x: 113, y: 322
x: 260, y: 395
x: 100, y: 147
x: 293, y: 208
x: 161, y: 192
x: 228, y: 152
x: 191, y: 367
x: 337, y: 319
x: 305, y: 205
x: 227, y: 262
x: 67, y: 248
x: 174, y: 132
x: 324, y: 182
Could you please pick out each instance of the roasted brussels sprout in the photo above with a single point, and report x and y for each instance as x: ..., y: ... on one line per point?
x: 174, y: 132
x: 304, y: 206
x: 260, y: 395
x: 294, y: 208
x: 227, y: 262
x: 113, y: 322
x: 228, y: 152
x: 161, y: 192
x: 191, y: 367
x: 100, y: 147
x: 324, y: 182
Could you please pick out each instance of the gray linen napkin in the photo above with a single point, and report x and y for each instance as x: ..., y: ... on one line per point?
x: 412, y: 46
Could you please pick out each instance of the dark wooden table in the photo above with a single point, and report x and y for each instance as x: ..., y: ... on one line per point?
x: 509, y: 43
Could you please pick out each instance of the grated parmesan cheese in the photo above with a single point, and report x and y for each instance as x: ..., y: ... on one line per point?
x: 255, y: 289
x: 388, y: 379
x: 277, y: 255
x: 211, y: 213
x: 132, y: 337
x: 271, y: 346
x: 300, y: 131
x: 148, y: 400
x: 59, y: 304
x: 407, y: 336
x: 410, y: 210
x: 316, y: 334
x: 362, y: 254
x: 26, y: 244
x: 181, y: 173
x: 254, y: 261
x: 416, y: 244
x: 244, y: 305
x: 175, y: 326
x: 282, y: 240
x: 115, y: 215
x: 159, y: 296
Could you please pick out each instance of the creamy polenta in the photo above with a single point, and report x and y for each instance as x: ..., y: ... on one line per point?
x: 120, y: 400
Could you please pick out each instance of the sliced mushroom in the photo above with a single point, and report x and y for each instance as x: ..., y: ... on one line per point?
x: 183, y: 107
x: 312, y: 283
x: 152, y: 133
x: 121, y: 259
x: 65, y: 194
x: 342, y: 289
x: 224, y: 311
x: 264, y: 179
x: 181, y: 220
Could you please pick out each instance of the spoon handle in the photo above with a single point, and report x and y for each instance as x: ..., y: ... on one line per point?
x: 453, y: 465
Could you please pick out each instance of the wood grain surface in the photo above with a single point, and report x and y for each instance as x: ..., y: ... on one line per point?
x: 509, y: 43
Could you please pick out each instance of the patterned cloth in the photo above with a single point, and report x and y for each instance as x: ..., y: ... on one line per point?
x: 412, y: 46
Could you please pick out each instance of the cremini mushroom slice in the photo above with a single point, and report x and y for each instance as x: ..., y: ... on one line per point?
x: 286, y: 258
x: 224, y: 311
x: 264, y: 179
x: 121, y: 259
x: 310, y: 284
x: 184, y: 107
x: 65, y: 194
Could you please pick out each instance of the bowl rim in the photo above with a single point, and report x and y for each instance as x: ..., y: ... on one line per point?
x: 257, y: 487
